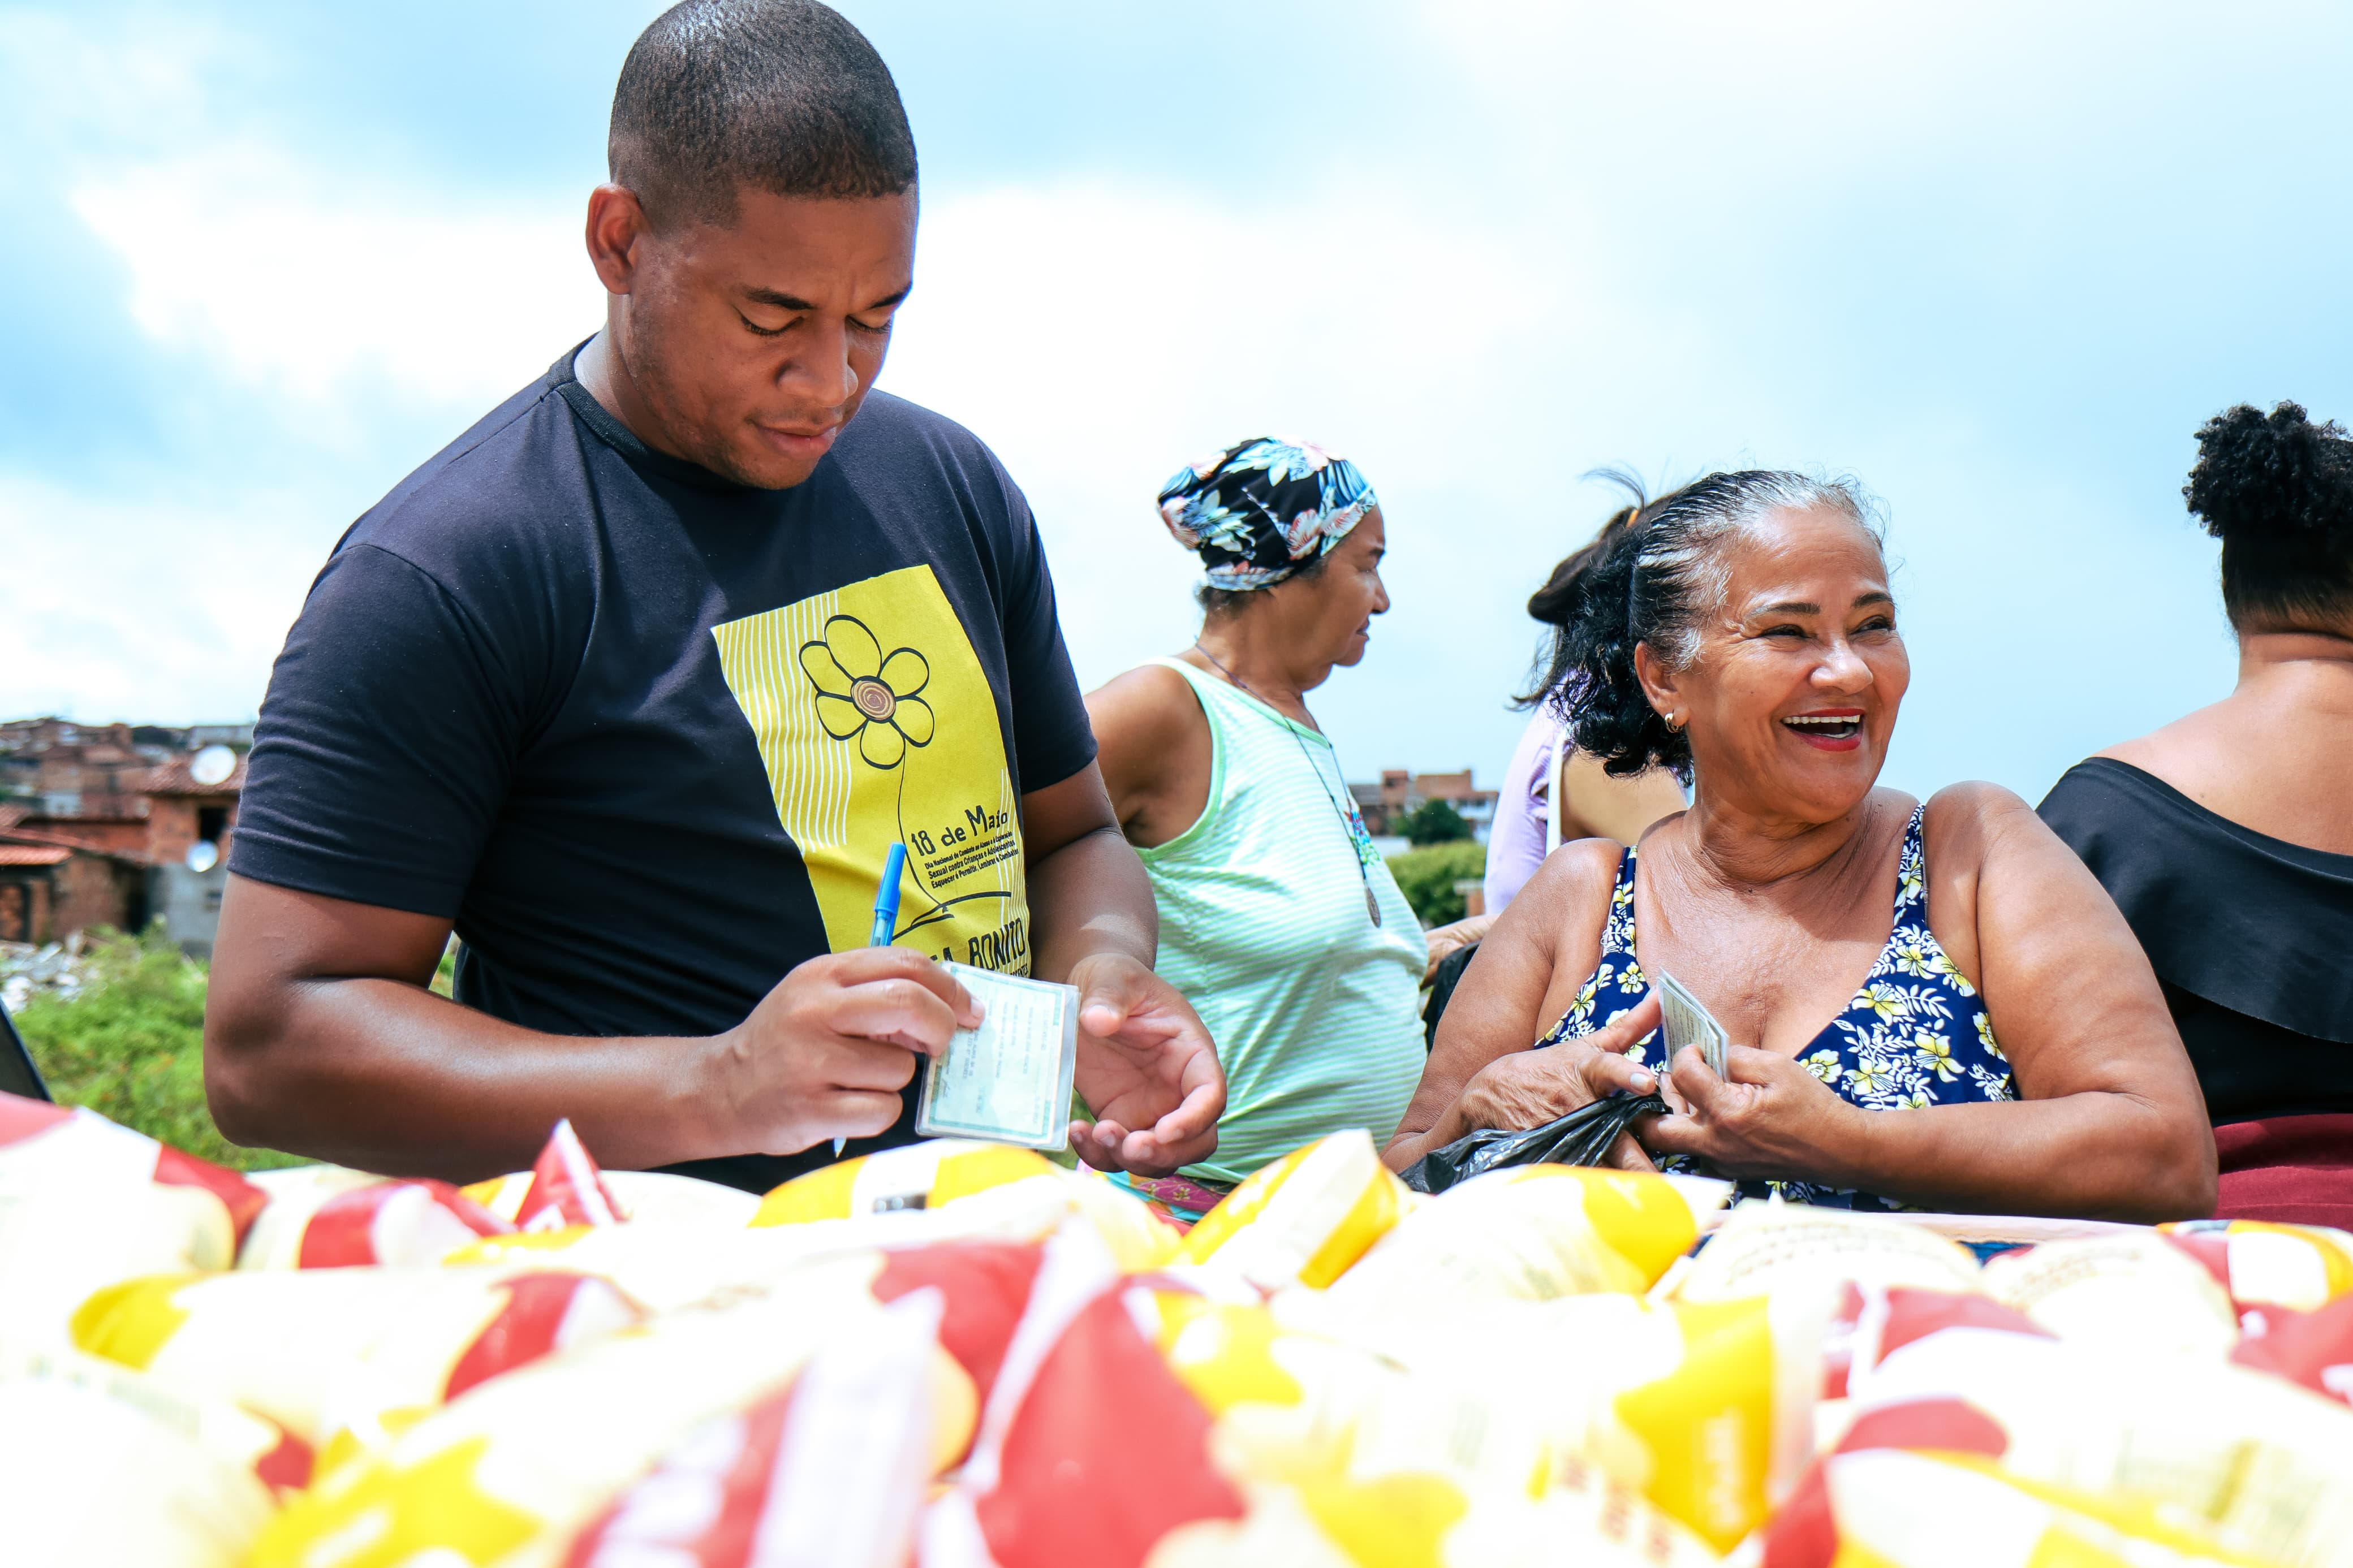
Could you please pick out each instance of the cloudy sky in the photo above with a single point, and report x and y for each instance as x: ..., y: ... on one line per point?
x: 1997, y: 260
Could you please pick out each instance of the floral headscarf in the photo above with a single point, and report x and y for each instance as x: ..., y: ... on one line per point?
x: 1260, y: 509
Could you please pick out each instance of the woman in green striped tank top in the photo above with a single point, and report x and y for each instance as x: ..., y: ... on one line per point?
x: 1278, y: 921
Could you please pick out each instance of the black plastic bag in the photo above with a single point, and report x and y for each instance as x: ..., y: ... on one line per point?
x: 1583, y: 1136
x: 1442, y: 991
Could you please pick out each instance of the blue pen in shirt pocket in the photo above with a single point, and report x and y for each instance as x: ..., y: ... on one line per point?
x: 886, y: 919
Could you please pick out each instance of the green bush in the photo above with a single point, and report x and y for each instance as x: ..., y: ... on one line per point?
x: 1433, y: 822
x: 131, y: 1045
x: 1427, y: 877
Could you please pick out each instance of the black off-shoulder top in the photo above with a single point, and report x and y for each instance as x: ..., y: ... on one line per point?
x: 2250, y: 936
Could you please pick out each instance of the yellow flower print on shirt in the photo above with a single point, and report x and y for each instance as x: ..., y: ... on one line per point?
x: 864, y: 693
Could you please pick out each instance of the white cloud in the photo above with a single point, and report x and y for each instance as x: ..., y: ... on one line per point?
x: 318, y: 289
x: 146, y: 610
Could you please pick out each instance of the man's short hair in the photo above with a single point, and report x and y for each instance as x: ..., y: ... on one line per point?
x: 782, y: 95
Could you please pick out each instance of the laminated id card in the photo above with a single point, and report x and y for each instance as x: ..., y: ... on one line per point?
x: 1010, y: 1080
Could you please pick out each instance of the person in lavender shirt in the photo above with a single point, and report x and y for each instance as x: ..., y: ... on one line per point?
x: 1544, y: 769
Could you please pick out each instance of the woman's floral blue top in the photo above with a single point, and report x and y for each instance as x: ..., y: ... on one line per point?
x: 1916, y: 1035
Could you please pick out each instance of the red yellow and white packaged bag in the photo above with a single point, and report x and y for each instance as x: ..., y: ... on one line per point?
x: 1888, y: 1508
x: 323, y: 1216
x: 1148, y: 1423
x: 828, y: 1470
x: 1408, y: 1520
x: 84, y: 1203
x: 2300, y: 1266
x: 1765, y: 1247
x: 945, y: 1174
x: 2137, y: 1289
x: 1302, y: 1220
x: 2265, y: 1465
x: 97, y: 1466
x: 333, y: 1355
x: 1529, y: 1234
x: 522, y: 1466
x: 1704, y: 1408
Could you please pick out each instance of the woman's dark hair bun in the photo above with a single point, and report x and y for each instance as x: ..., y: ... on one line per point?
x: 2275, y: 473
x: 2277, y: 489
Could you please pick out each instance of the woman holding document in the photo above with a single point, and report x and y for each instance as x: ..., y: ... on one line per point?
x: 1923, y: 1003
x: 1278, y: 921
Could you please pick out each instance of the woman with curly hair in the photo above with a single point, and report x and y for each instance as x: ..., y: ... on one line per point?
x: 1930, y: 1004
x: 2227, y: 836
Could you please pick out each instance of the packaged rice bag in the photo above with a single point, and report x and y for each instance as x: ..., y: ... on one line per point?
x: 1872, y: 1321
x: 253, y: 1444
x: 2302, y: 1266
x: 2135, y: 1288
x: 1704, y: 1408
x: 1420, y: 1520
x: 94, y: 1471
x: 830, y: 1470
x: 1529, y: 1234
x: 1768, y: 1246
x: 84, y: 1203
x: 662, y: 1197
x: 526, y: 1464
x: 667, y: 1267
x: 944, y: 1173
x: 323, y: 1216
x: 1161, y: 1425
x: 2315, y: 1349
x: 330, y: 1352
x: 1304, y: 1219
x: 1892, y: 1509
x: 2265, y: 1466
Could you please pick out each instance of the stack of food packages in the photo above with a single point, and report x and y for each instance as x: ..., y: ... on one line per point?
x: 958, y: 1355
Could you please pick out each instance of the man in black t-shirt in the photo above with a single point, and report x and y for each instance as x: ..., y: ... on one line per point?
x: 635, y: 683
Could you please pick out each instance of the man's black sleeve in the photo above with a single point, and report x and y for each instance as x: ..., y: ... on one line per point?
x: 384, y: 744
x: 1052, y: 736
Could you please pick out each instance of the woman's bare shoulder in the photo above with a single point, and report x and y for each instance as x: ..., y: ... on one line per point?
x: 1151, y: 704
x: 1970, y: 818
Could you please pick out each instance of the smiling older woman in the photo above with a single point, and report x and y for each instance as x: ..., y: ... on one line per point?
x: 1868, y: 955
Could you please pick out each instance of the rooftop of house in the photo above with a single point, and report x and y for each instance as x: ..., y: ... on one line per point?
x: 173, y: 778
x: 34, y: 855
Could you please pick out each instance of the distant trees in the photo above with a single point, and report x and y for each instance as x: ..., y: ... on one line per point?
x: 1433, y: 822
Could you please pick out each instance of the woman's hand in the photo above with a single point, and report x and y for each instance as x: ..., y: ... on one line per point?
x: 1766, y: 1117
x: 1528, y: 1088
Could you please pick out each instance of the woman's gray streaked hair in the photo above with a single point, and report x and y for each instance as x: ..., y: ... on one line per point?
x: 1680, y: 570
x: 1659, y: 585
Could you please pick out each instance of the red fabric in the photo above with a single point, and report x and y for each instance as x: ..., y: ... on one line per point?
x: 2292, y: 1170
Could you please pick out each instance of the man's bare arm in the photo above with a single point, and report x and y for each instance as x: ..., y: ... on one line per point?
x: 321, y: 1038
x: 1146, y: 1067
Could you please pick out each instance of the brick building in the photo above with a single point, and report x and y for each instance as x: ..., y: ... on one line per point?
x: 50, y: 890
x: 1385, y: 803
x: 98, y: 824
